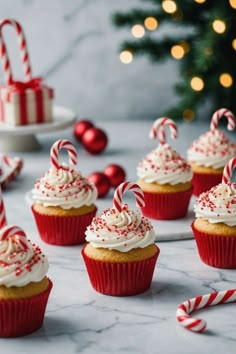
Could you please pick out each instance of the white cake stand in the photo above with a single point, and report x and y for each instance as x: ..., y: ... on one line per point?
x: 22, y: 138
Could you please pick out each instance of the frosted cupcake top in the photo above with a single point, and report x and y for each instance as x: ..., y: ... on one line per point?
x: 164, y: 165
x: 21, y: 262
x: 219, y: 203
x: 62, y: 185
x: 120, y: 228
x: 213, y: 148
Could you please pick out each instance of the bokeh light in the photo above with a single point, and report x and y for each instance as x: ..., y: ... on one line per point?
x: 126, y: 57
x: 232, y: 3
x: 219, y: 26
x: 151, y: 23
x: 188, y: 115
x: 197, y: 83
x: 138, y: 31
x: 169, y: 6
x: 226, y: 80
x: 177, y: 51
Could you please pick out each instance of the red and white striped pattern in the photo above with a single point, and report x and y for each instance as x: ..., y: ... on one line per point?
x: 221, y: 113
x: 3, y: 219
x: 16, y: 164
x: 228, y: 170
x: 124, y: 187
x: 158, y: 129
x: 199, y: 302
x: 57, y: 146
x: 23, y: 52
x: 16, y: 232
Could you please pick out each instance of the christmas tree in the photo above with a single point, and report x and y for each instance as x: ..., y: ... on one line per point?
x: 203, y: 41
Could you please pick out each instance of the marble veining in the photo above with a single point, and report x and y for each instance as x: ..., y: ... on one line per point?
x: 79, y: 320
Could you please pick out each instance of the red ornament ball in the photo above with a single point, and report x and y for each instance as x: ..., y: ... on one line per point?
x: 94, y: 140
x: 80, y: 128
x: 102, y: 183
x: 116, y: 174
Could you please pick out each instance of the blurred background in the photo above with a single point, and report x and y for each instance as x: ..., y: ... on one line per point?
x: 76, y: 46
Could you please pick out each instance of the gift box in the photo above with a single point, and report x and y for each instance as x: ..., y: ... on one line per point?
x: 22, y: 103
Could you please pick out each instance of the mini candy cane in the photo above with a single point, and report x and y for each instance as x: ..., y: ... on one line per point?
x: 23, y: 51
x: 199, y: 302
x: 3, y: 219
x: 124, y: 187
x: 158, y: 129
x: 16, y: 164
x: 228, y: 170
x: 220, y: 113
x: 57, y: 146
x: 16, y: 232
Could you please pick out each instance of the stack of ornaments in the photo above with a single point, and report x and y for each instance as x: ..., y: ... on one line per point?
x: 95, y: 140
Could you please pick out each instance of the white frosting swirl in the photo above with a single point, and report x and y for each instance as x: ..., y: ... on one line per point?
x: 164, y: 165
x: 20, y: 261
x: 211, y: 150
x: 64, y: 187
x: 121, y: 231
x: 218, y: 204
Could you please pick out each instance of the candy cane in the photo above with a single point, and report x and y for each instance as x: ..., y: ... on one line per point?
x: 16, y: 232
x: 124, y: 187
x: 220, y: 113
x: 158, y: 129
x: 23, y: 51
x: 199, y: 302
x: 3, y: 219
x: 57, y: 146
x: 228, y: 170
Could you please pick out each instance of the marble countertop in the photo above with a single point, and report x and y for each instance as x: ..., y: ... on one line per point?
x: 79, y: 320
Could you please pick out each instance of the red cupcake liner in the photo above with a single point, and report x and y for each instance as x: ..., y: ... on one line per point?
x: 202, y: 182
x: 120, y: 279
x: 215, y: 250
x: 63, y: 230
x: 23, y: 316
x: 166, y: 206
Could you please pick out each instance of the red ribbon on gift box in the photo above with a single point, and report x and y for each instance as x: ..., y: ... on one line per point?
x: 36, y: 86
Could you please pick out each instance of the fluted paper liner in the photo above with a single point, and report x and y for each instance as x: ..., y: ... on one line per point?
x: 215, y: 250
x: 166, y: 206
x: 63, y: 230
x: 23, y: 316
x: 203, y: 182
x: 120, y: 279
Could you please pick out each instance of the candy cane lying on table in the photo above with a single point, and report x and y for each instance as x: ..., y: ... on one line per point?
x: 16, y: 164
x: 124, y: 187
x: 199, y: 302
x: 57, y: 146
x: 228, y: 170
x: 3, y: 219
x: 221, y: 113
x: 158, y: 129
x: 23, y: 51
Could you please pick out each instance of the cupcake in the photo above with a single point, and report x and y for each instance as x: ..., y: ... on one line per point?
x: 24, y: 287
x: 64, y: 200
x: 120, y: 256
x: 210, y: 152
x: 215, y: 225
x: 165, y: 177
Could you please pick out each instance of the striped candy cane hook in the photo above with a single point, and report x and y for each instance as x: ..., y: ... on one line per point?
x: 19, y: 235
x: 199, y: 302
x: 221, y: 113
x: 158, y: 129
x: 124, y: 187
x: 57, y: 146
x: 3, y: 219
x: 228, y: 170
x: 23, y: 52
